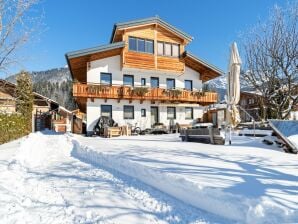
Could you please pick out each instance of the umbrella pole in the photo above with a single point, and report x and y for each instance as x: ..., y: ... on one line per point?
x: 230, y: 135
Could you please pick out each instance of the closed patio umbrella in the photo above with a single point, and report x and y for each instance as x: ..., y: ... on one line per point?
x: 233, y: 88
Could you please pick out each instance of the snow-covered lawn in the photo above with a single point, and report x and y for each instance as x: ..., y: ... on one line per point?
x: 42, y: 180
x: 247, y: 182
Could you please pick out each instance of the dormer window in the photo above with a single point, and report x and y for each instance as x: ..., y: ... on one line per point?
x: 167, y: 49
x: 141, y: 45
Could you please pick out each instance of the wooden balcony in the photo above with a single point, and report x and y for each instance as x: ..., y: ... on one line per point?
x: 142, y: 93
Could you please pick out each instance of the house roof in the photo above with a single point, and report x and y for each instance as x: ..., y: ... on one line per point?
x: 150, y: 20
x: 207, y: 70
x: 77, y: 60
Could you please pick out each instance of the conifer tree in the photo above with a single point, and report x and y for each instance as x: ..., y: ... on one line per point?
x: 24, y: 97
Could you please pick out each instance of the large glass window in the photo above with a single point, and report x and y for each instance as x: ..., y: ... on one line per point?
x: 170, y: 83
x: 188, y: 85
x: 128, y: 80
x: 132, y: 43
x: 149, y: 46
x: 171, y: 112
x: 175, y: 50
x: 168, y: 49
x: 128, y: 112
x: 188, y: 113
x: 106, y: 78
x: 106, y: 110
x: 154, y: 82
x: 141, y: 45
x: 160, y: 48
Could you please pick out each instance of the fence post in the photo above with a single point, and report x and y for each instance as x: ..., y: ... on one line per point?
x: 211, y: 135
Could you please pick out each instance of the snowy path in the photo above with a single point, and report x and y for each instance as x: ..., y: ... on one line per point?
x: 244, y: 182
x: 41, y: 182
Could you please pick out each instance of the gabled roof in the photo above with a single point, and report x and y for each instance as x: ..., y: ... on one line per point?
x: 207, y: 70
x: 77, y: 60
x: 93, y: 50
x: 150, y: 20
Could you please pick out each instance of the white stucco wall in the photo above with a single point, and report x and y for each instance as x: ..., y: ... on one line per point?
x: 94, y: 112
x: 112, y: 65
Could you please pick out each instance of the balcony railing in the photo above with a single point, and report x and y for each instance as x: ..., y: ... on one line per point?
x: 142, y: 93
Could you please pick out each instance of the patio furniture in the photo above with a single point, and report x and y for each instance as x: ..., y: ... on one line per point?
x: 203, y: 135
x: 110, y: 132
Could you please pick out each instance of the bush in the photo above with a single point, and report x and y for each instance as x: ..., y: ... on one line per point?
x: 12, y: 126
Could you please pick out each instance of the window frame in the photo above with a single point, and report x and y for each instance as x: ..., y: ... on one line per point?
x: 164, y: 49
x: 137, y: 45
x: 133, y: 112
x: 170, y: 79
x: 143, y: 79
x: 106, y: 73
x: 105, y: 105
x: 189, y: 118
x: 169, y: 118
x: 157, y: 78
x: 188, y: 80
x: 133, y: 80
x: 143, y: 112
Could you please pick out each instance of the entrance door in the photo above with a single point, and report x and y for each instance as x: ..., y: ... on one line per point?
x: 154, y: 115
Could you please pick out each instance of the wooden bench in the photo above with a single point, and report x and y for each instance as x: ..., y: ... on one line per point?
x: 112, y: 132
x: 202, y: 135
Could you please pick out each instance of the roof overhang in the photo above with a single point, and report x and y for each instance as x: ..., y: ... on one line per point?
x: 149, y: 21
x: 77, y: 60
x: 206, y: 70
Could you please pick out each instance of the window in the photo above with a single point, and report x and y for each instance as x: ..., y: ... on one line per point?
x: 141, y: 45
x: 143, y: 82
x: 170, y: 83
x: 188, y: 113
x: 175, y: 50
x: 188, y: 84
x: 128, y: 112
x: 106, y: 110
x: 128, y: 80
x: 132, y: 44
x: 171, y: 112
x: 154, y: 82
x: 106, y: 78
x: 168, y: 49
x: 160, y: 48
x: 251, y: 101
x: 149, y: 46
x: 143, y: 112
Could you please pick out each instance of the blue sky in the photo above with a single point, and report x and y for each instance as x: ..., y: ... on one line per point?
x: 77, y: 24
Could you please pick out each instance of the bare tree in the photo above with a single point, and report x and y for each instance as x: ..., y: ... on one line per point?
x: 18, y: 22
x: 271, y: 61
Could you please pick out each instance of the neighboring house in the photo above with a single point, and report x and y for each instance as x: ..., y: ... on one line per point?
x: 46, y: 113
x: 249, y: 106
x: 143, y: 76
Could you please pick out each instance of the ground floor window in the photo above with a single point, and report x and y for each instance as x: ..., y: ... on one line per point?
x: 143, y: 112
x: 188, y: 113
x: 106, y: 110
x: 171, y: 112
x: 128, y: 112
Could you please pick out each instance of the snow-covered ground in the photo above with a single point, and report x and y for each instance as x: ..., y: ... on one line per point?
x: 247, y: 182
x: 44, y: 180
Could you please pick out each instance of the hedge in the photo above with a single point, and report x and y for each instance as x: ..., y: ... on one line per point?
x: 12, y: 126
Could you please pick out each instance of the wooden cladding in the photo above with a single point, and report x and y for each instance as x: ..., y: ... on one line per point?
x: 141, y: 93
x: 132, y: 59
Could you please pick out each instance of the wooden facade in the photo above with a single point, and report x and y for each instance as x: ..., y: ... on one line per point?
x: 152, y: 94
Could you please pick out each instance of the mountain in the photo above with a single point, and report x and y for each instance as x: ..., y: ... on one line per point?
x: 220, y: 85
x: 55, y: 84
x: 52, y: 75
